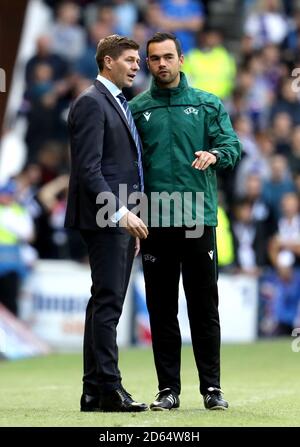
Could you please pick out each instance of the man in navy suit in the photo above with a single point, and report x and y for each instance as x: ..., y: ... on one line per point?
x: 106, y: 153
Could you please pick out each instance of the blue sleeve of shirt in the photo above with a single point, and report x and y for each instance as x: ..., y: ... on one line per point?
x: 190, y: 9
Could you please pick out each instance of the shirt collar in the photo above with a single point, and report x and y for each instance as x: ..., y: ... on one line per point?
x: 167, y: 92
x: 113, y: 89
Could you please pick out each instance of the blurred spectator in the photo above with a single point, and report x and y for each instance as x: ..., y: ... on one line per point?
x: 279, y: 184
x: 51, y: 159
x: 287, y: 238
x: 280, y: 298
x: 42, y: 82
x: 292, y: 41
x: 44, y: 55
x: 258, y: 90
x: 272, y: 65
x: 86, y: 65
x: 45, y: 121
x: 184, y: 18
x: 142, y: 79
x: 249, y: 239
x: 244, y: 129
x: 287, y: 102
x: 282, y: 129
x: 126, y: 16
x: 60, y: 243
x: 266, y: 24
x: 256, y: 163
x: 106, y: 15
x: 52, y: 197
x: 152, y: 17
x: 260, y: 212
x: 16, y: 229
x: 202, y: 65
x: 27, y: 183
x: 68, y: 37
x: 294, y: 155
x: 236, y: 104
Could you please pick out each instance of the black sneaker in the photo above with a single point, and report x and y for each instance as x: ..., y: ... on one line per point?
x: 166, y: 400
x: 213, y: 400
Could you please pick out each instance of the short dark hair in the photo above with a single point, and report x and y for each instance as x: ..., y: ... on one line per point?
x: 161, y: 37
x: 113, y: 46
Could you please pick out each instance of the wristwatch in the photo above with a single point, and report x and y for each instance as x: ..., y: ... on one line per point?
x: 216, y: 154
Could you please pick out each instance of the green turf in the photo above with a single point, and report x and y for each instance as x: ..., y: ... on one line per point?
x: 261, y: 382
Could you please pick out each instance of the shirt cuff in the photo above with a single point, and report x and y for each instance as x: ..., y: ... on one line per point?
x: 119, y: 214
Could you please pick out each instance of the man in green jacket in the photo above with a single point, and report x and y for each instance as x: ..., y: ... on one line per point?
x: 187, y: 136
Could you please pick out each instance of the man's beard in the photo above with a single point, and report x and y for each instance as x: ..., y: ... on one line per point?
x: 167, y: 80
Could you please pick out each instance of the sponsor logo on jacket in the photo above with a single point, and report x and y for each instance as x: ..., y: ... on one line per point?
x: 190, y: 110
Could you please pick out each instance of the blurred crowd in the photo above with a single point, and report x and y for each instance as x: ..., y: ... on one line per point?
x: 259, y: 214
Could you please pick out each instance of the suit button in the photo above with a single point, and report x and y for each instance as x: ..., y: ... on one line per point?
x: 135, y: 186
x: 135, y: 163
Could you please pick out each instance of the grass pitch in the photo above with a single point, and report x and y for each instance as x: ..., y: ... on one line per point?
x: 260, y: 381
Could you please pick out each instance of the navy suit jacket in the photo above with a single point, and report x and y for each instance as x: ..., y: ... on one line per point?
x: 103, y: 155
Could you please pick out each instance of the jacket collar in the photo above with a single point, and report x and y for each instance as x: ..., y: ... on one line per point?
x: 167, y: 92
x: 101, y: 87
x: 113, y: 89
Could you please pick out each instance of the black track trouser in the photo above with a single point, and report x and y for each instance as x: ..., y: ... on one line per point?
x: 167, y: 252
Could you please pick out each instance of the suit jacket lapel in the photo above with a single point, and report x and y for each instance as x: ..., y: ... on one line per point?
x: 114, y: 103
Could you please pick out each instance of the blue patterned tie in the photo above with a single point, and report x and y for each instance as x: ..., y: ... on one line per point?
x: 135, y: 135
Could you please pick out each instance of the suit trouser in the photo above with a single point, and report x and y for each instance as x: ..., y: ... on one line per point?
x: 111, y: 256
x: 9, y: 288
x: 166, y: 253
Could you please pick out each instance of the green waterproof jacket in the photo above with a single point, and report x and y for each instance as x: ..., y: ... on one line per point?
x: 173, y: 124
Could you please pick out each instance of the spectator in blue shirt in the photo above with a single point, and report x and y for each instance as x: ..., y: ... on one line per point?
x: 184, y: 18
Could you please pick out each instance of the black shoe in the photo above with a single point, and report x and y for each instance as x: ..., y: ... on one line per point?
x: 213, y: 400
x: 120, y: 400
x: 166, y: 400
x: 89, y: 403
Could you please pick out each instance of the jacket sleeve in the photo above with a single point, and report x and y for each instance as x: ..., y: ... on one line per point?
x: 86, y: 124
x: 223, y: 138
